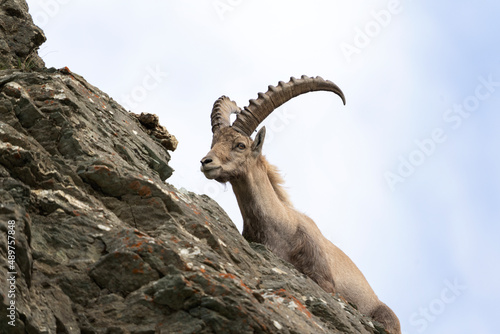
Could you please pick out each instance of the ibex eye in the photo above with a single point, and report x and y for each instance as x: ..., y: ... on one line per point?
x: 241, y: 146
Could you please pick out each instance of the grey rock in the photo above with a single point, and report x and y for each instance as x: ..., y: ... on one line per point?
x: 153, y: 127
x: 19, y: 37
x: 105, y: 245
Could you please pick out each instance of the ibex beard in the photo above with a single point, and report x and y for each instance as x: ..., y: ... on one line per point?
x: 269, y: 217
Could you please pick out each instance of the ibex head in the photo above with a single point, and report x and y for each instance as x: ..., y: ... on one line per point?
x: 233, y: 152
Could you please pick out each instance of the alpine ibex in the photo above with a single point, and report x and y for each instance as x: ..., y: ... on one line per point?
x: 269, y: 217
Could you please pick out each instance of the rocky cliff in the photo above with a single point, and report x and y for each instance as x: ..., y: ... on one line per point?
x: 94, y: 241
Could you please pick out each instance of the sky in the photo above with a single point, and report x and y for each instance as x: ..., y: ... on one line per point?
x: 404, y: 178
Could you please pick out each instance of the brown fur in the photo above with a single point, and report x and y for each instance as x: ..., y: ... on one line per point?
x: 307, y: 257
x: 276, y: 181
x: 269, y: 218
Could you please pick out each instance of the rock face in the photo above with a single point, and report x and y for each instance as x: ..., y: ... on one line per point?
x: 102, y: 244
x: 19, y: 37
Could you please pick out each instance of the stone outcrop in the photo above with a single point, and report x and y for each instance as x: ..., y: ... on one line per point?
x: 19, y: 37
x: 102, y: 243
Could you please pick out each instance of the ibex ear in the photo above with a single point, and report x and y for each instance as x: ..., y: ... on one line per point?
x: 259, y: 141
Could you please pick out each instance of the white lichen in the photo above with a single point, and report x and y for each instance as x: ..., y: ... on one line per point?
x: 190, y: 252
x: 60, y: 96
x: 277, y: 324
x: 293, y: 305
x: 279, y: 271
x: 16, y: 86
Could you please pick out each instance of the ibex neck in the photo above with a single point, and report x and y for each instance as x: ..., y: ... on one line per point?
x: 264, y: 213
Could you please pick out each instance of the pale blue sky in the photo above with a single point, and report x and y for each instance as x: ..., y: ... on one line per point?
x: 429, y: 247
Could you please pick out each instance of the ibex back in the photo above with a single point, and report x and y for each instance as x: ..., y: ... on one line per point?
x: 268, y: 216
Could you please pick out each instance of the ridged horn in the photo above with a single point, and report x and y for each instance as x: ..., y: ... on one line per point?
x: 221, y: 111
x: 250, y: 118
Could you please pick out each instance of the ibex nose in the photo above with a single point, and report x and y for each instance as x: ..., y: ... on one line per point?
x: 205, y: 161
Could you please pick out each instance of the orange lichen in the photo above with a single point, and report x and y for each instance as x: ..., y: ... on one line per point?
x: 227, y: 275
x: 17, y: 155
x: 285, y: 294
x: 154, y: 202
x: 233, y: 277
x: 137, y: 245
x: 137, y: 271
x: 174, y: 195
x: 193, y: 208
x: 102, y: 169
x: 247, y: 289
x: 134, y: 185
x: 144, y: 191
x: 210, y: 263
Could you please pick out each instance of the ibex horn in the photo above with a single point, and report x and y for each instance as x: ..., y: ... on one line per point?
x: 248, y: 120
x: 221, y: 111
